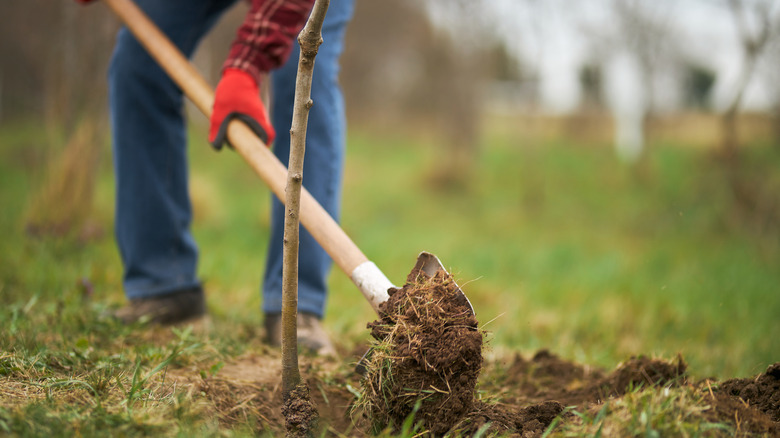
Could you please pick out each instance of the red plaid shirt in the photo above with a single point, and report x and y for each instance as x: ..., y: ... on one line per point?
x: 265, y: 38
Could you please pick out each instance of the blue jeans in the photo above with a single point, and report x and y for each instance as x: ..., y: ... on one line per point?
x: 153, y: 211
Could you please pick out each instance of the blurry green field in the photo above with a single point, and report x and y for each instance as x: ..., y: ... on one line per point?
x: 557, y: 245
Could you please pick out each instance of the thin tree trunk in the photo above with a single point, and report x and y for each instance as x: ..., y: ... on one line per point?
x: 730, y: 158
x: 776, y: 115
x: 310, y: 39
x: 1, y: 95
x: 729, y: 120
x: 753, y: 45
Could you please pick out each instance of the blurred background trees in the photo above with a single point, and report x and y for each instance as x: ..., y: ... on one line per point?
x: 630, y: 73
x: 54, y: 57
x: 53, y: 73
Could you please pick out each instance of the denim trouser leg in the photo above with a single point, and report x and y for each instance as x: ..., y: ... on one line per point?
x: 153, y: 210
x: 323, y: 164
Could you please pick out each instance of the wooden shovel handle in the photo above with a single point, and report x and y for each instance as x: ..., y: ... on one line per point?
x: 317, y: 221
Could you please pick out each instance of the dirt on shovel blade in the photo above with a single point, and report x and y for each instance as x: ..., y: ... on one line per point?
x: 427, y: 357
x: 425, y: 363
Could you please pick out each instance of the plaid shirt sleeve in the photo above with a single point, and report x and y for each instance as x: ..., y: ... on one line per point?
x: 265, y: 38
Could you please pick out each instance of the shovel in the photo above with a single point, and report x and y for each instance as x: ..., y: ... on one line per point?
x: 368, y: 278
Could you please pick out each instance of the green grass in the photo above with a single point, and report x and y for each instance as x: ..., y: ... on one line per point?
x: 648, y: 413
x: 557, y: 245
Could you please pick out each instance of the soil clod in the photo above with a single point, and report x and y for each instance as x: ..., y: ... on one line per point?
x: 299, y: 413
x: 643, y: 371
x: 427, y: 357
x: 761, y: 392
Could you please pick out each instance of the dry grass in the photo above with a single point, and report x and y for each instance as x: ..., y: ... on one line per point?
x: 63, y: 204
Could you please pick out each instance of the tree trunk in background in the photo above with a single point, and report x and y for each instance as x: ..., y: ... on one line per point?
x: 776, y: 124
x: 424, y: 80
x: 730, y: 142
x: 55, y: 66
x: 452, y: 81
x: 2, y: 103
x: 460, y: 130
x: 61, y: 71
x: 744, y: 195
x: 68, y: 54
x: 753, y: 44
x: 646, y: 37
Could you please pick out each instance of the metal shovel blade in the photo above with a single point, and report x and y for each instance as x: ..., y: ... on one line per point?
x: 430, y: 264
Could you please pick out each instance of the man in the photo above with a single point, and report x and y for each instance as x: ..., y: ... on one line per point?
x: 153, y: 211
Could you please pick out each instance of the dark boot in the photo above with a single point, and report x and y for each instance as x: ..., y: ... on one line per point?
x: 166, y: 309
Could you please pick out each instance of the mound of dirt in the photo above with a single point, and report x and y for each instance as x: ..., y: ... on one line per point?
x: 762, y: 392
x: 643, y: 371
x: 749, y: 406
x: 248, y: 389
x: 548, y: 377
x: 427, y: 358
x: 744, y: 418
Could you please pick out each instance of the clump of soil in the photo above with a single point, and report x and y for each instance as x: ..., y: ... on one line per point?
x: 762, y: 392
x: 427, y: 357
x: 300, y: 415
x: 743, y: 417
x: 644, y: 371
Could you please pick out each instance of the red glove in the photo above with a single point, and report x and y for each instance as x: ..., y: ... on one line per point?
x: 84, y: 2
x: 238, y: 96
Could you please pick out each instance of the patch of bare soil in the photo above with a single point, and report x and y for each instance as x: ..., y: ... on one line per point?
x: 427, y: 362
x: 248, y: 390
x: 520, y: 398
x: 548, y: 377
x: 749, y: 406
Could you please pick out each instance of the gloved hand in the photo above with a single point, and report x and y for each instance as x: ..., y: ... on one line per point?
x: 238, y: 96
x: 84, y: 2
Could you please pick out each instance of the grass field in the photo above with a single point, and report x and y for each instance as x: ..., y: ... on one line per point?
x: 557, y: 245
